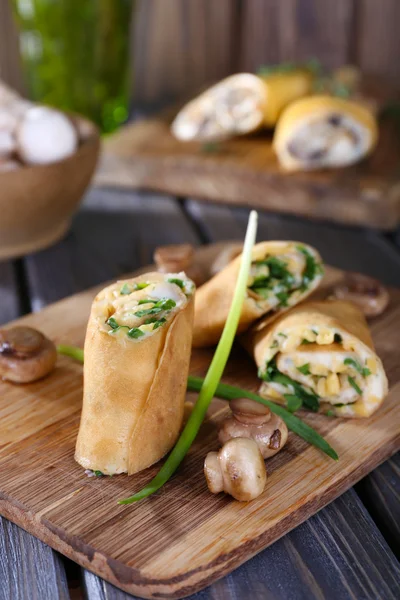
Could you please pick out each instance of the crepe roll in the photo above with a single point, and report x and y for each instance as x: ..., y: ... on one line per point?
x: 281, y: 275
x: 319, y: 356
x: 137, y: 352
x: 324, y: 132
x: 240, y: 104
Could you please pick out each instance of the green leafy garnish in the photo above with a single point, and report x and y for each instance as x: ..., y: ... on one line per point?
x: 274, y: 344
x: 178, y: 282
x: 125, y: 290
x: 364, y: 371
x: 98, y: 473
x: 158, y: 307
x: 112, y: 323
x: 354, y: 385
x: 313, y: 268
x: 308, y: 399
x: 283, y: 298
x: 305, y: 369
x: 147, y: 301
x: 337, y: 338
x: 214, y: 373
x: 71, y: 351
x: 299, y: 427
x: 304, y: 342
x: 140, y: 286
x: 293, y: 403
x: 135, y: 333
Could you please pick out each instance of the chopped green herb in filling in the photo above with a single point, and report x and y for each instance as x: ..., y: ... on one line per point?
x: 140, y: 286
x: 98, y: 473
x: 112, y: 323
x: 283, y: 298
x: 354, y: 385
x: 135, y: 333
x: 282, y: 335
x: 178, y: 282
x: 307, y: 399
x: 337, y: 338
x: 364, y: 371
x: 125, y: 290
x: 304, y: 342
x: 158, y: 307
x: 305, y: 369
x: 274, y: 344
x: 313, y: 268
x: 128, y: 289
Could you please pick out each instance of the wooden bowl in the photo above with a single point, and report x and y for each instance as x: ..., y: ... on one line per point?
x: 37, y: 202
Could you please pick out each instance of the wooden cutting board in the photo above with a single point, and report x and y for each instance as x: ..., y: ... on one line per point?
x: 183, y: 538
x: 244, y: 171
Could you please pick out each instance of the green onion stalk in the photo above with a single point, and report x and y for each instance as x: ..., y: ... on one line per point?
x: 213, y: 376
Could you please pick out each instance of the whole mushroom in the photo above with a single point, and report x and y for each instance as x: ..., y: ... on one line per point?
x: 45, y: 135
x: 237, y: 469
x: 252, y: 420
x: 367, y: 293
x: 25, y: 355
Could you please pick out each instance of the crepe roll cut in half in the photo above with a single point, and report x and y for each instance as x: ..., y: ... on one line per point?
x: 239, y: 104
x: 137, y: 352
x: 281, y: 275
x: 320, y: 356
x: 324, y: 132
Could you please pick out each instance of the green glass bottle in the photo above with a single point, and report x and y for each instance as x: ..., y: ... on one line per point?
x: 75, y: 55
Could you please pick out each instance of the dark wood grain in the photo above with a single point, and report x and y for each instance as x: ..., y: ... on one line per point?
x: 376, y: 39
x: 29, y: 569
x: 380, y: 492
x: 295, y: 30
x: 113, y: 234
x: 317, y: 560
x: 345, y: 248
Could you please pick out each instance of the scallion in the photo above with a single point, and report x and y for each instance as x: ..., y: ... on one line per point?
x: 214, y: 373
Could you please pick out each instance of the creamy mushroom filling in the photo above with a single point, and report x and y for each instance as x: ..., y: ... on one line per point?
x: 234, y: 105
x: 137, y: 310
x: 334, y: 139
x: 319, y: 366
x: 276, y: 279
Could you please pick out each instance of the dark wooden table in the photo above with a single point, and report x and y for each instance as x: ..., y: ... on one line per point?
x: 346, y: 551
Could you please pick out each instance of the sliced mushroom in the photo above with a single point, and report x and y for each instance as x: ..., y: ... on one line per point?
x: 237, y: 469
x: 367, y: 293
x: 177, y: 258
x: 25, y: 355
x: 253, y: 420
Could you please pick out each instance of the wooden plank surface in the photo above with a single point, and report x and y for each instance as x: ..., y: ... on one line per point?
x: 349, y: 249
x: 48, y: 494
x: 29, y: 570
x: 245, y: 172
x: 295, y: 29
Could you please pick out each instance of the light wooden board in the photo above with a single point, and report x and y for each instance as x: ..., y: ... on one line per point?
x: 245, y: 171
x: 183, y: 538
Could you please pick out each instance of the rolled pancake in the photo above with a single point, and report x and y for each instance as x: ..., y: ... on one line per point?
x: 282, y: 275
x: 240, y: 104
x: 325, y: 354
x: 137, y: 353
x: 324, y: 132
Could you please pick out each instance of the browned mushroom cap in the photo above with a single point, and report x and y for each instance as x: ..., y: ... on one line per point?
x: 237, y: 469
x: 367, y: 293
x: 249, y: 412
x: 253, y: 420
x: 25, y: 355
x: 176, y: 258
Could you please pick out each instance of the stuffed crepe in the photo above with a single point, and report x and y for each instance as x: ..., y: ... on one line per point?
x: 137, y: 353
x: 320, y: 356
x: 282, y: 274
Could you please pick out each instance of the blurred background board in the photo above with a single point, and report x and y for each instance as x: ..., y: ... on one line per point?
x: 180, y: 45
x: 245, y: 171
